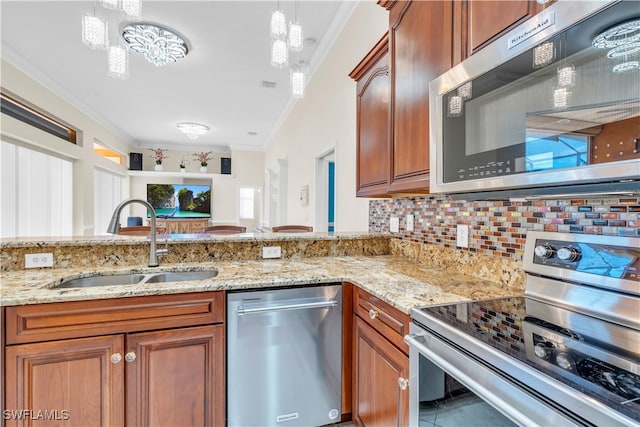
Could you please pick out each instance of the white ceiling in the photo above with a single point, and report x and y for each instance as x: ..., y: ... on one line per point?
x: 218, y: 84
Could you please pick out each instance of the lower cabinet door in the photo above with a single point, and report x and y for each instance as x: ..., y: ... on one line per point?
x: 381, y: 396
x: 76, y: 382
x: 176, y: 377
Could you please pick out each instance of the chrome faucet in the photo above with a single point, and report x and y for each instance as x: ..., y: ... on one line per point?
x: 114, y: 227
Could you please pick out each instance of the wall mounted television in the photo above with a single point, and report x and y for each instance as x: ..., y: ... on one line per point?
x: 179, y: 201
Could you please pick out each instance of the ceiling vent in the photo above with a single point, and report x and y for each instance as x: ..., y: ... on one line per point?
x: 267, y: 84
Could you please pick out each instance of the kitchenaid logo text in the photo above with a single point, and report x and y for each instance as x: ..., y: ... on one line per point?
x: 530, y: 30
x: 32, y: 414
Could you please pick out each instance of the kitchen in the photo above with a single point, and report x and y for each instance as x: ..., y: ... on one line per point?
x: 497, y: 228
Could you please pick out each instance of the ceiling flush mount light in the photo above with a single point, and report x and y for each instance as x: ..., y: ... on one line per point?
x: 193, y: 130
x: 626, y: 66
x: 158, y: 45
x: 625, y: 33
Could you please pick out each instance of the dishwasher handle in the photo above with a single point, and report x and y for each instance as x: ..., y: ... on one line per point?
x: 298, y: 306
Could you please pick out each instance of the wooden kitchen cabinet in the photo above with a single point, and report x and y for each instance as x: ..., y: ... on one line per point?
x: 182, y: 226
x: 421, y: 48
x: 372, y: 115
x: 177, y: 377
x: 75, y: 381
x: 380, y: 363
x: 120, y: 361
x: 487, y: 20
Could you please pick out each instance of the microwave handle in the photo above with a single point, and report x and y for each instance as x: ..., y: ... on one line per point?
x: 582, y: 195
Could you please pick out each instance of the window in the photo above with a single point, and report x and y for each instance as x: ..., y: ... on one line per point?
x: 107, y: 153
x: 20, y: 111
x: 107, y: 193
x: 246, y: 209
x: 36, y: 190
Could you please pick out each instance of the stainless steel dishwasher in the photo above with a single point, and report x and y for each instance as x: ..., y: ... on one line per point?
x: 284, y: 351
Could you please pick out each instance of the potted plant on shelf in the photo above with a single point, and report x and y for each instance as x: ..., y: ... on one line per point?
x: 203, y: 158
x: 158, y: 156
x: 183, y: 164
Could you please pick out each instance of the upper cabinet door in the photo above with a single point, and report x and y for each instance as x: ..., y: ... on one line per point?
x: 421, y: 49
x: 487, y: 20
x: 372, y: 161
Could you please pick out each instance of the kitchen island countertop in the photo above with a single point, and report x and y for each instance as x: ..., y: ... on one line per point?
x: 398, y: 280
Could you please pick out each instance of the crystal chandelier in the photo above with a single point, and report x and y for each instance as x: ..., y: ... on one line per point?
x: 281, y: 44
x: 158, y: 45
x: 278, y: 25
x: 133, y: 8
x: 193, y: 130
x: 118, y: 61
x: 297, y: 81
x: 94, y: 32
x: 279, y: 53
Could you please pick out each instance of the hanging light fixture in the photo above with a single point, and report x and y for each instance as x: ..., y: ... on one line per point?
x: 158, y: 45
x: 295, y: 32
x: 118, y: 61
x: 543, y: 54
x: 278, y: 24
x: 279, y: 53
x: 297, y: 81
x: 94, y: 32
x: 295, y: 37
x: 110, y: 4
x: 193, y: 130
x: 133, y: 9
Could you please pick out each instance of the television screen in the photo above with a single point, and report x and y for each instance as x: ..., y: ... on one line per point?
x: 180, y: 200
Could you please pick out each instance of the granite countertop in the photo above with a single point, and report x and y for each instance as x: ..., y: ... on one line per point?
x: 395, y: 279
x: 116, y: 239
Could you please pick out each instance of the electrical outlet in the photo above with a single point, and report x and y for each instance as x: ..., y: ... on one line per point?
x: 462, y: 235
x: 38, y: 260
x: 409, y: 222
x: 394, y: 225
x: 271, y: 252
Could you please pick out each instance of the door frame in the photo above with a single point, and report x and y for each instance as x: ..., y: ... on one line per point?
x: 322, y: 190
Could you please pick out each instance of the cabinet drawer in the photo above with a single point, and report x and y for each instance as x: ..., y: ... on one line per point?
x: 387, y: 320
x: 46, y: 322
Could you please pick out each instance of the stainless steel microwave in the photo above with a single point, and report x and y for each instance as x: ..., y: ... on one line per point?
x: 551, y: 107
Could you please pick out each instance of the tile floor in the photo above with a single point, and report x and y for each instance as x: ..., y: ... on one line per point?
x: 465, y: 410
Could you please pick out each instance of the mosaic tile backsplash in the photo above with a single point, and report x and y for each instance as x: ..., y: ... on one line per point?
x: 498, y: 228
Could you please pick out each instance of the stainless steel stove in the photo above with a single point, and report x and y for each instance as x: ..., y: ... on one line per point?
x: 568, y: 353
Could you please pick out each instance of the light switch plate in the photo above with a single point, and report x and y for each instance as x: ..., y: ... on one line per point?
x: 409, y: 222
x: 394, y: 225
x: 269, y: 252
x: 38, y: 260
x: 462, y: 235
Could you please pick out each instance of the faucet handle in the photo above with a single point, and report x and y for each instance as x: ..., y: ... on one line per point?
x: 162, y: 252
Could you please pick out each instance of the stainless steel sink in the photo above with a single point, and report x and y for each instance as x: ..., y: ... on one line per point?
x: 112, y: 279
x: 181, y: 276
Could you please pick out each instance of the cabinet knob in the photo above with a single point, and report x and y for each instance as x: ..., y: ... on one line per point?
x: 373, y: 314
x: 130, y: 357
x: 115, y: 358
x: 403, y: 383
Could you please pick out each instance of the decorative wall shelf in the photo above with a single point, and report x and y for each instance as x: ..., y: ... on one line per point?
x: 176, y: 174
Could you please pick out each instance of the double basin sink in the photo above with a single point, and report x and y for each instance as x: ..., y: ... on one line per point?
x: 116, y: 279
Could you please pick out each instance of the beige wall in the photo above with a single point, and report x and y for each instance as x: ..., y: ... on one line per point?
x: 326, y: 118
